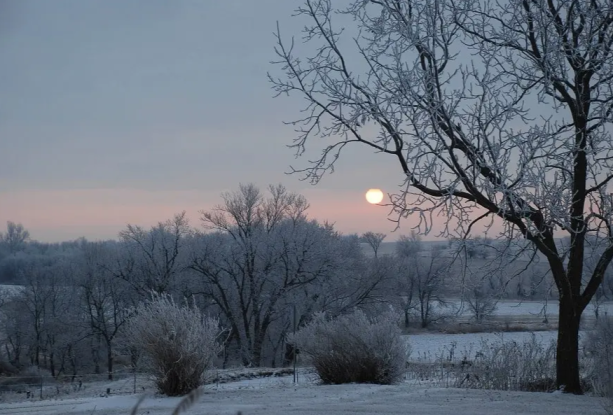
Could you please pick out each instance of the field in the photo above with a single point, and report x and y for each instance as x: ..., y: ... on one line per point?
x: 512, y: 315
x: 276, y: 396
x: 279, y: 395
x: 428, y: 347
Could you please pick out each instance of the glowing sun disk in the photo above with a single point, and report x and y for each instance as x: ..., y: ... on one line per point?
x: 374, y: 196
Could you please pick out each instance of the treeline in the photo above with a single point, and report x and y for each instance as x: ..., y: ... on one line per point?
x: 257, y: 263
x: 255, y: 260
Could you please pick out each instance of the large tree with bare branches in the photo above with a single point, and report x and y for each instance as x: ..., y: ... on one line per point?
x: 259, y: 250
x: 495, y: 111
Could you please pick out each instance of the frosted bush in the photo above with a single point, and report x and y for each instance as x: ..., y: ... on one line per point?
x: 525, y: 366
x: 599, y: 347
x: 354, y: 348
x: 178, y: 343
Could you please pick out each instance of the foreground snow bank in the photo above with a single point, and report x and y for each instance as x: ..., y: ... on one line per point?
x: 309, y: 399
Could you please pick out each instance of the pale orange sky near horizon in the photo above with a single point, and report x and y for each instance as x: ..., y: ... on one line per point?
x: 117, y: 113
x: 53, y: 216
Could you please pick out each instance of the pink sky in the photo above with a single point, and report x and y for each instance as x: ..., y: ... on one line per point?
x: 102, y: 213
x: 117, y: 113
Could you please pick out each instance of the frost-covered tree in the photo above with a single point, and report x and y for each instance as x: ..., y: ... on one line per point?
x: 409, y: 246
x: 105, y: 300
x: 496, y: 112
x: 153, y: 259
x: 374, y: 240
x: 421, y: 282
x: 259, y: 248
x: 15, y: 238
x: 44, y: 309
x: 481, y: 298
x: 261, y: 256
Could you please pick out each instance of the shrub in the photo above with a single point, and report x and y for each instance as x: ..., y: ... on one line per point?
x: 178, y: 343
x: 599, y: 347
x: 7, y: 369
x: 527, y: 366
x: 354, y: 348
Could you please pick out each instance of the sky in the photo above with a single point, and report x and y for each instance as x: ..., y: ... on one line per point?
x: 117, y: 112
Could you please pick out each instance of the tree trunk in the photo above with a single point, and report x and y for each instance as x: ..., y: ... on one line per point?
x: 109, y: 359
x: 95, y: 350
x: 567, y: 363
x: 52, y: 363
x: 256, y: 353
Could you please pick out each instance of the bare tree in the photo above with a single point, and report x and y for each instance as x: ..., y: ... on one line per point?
x: 421, y: 283
x: 46, y: 305
x: 15, y: 238
x: 355, y: 281
x: 481, y: 297
x: 373, y: 240
x: 496, y: 112
x: 153, y: 259
x: 409, y: 246
x: 104, y: 299
x: 15, y: 326
x: 405, y: 288
x: 262, y: 249
x: 429, y: 281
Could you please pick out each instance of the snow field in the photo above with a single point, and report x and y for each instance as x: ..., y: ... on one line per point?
x: 277, y: 397
x: 430, y: 347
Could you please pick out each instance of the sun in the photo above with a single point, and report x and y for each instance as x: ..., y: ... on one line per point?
x: 374, y: 196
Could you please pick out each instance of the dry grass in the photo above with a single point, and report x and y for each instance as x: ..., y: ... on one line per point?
x: 599, y: 348
x: 527, y: 366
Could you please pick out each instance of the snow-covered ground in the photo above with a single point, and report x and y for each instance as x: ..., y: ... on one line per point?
x: 276, y: 396
x: 279, y: 395
x: 535, y: 308
x: 522, y: 309
x: 430, y: 347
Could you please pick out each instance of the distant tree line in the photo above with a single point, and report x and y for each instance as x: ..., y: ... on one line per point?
x: 258, y: 264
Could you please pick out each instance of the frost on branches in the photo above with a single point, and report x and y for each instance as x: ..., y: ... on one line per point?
x: 178, y: 343
x: 496, y: 112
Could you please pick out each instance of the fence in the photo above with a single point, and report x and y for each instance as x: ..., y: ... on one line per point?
x: 35, y: 384
x: 38, y: 384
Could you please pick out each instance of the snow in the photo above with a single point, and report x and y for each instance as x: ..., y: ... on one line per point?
x: 276, y: 397
x: 429, y: 347
x: 279, y: 395
x: 525, y: 309
x: 535, y: 308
